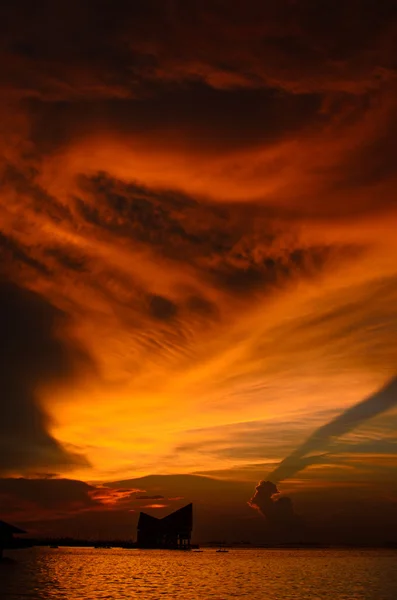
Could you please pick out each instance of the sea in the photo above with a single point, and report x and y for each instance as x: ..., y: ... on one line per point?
x: 258, y: 574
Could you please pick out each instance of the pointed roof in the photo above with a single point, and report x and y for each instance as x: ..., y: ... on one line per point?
x: 7, y: 529
x: 181, y: 518
x: 146, y: 520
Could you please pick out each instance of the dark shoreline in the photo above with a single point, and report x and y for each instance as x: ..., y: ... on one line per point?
x: 125, y: 544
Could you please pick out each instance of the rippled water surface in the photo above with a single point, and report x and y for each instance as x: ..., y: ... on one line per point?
x: 89, y: 574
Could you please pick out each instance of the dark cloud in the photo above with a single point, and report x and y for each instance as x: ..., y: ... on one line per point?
x: 13, y: 255
x: 242, y: 272
x: 118, y: 49
x: 38, y: 502
x: 162, y: 308
x: 193, y: 113
x: 238, y: 248
x: 159, y: 218
x: 49, y: 494
x: 22, y: 184
x: 277, y: 509
x: 241, y: 280
x: 378, y: 403
x: 194, y: 77
x: 68, y: 258
x: 146, y: 497
x: 31, y: 356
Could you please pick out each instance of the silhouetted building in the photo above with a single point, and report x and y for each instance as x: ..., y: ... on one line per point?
x: 7, y: 533
x: 173, y: 531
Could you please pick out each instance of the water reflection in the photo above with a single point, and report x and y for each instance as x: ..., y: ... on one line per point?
x: 88, y: 574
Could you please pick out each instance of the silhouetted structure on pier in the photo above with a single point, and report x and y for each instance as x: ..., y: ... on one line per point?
x: 173, y: 531
x: 7, y: 533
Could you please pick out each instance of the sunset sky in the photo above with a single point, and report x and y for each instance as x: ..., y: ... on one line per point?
x: 198, y: 242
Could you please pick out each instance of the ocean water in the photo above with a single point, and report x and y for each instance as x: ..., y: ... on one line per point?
x: 115, y: 574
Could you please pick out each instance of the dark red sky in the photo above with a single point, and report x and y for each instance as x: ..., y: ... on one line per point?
x: 198, y: 241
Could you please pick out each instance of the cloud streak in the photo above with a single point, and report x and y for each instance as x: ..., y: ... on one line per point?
x: 320, y: 441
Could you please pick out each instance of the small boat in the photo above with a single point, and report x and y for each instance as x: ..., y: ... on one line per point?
x: 54, y: 546
x: 222, y: 550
